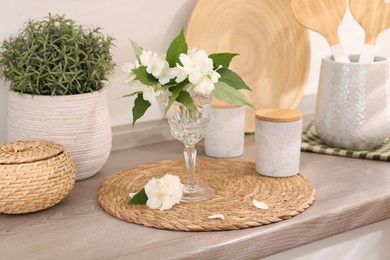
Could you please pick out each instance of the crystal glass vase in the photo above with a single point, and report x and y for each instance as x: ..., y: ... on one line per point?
x: 190, y: 127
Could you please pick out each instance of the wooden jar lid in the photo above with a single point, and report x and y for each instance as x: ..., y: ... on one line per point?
x: 278, y: 115
x: 221, y: 104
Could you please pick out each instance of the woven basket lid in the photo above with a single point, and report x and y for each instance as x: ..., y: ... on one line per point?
x: 28, y: 151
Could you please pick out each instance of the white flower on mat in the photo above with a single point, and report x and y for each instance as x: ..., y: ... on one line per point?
x: 164, y: 192
x: 259, y: 204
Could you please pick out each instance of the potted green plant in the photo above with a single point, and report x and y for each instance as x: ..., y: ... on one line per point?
x: 57, y: 71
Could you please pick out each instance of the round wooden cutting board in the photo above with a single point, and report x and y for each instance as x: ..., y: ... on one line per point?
x: 274, y: 48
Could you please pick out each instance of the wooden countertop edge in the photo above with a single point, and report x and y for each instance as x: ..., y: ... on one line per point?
x: 305, y: 232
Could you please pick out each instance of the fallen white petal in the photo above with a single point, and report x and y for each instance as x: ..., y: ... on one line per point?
x: 259, y: 204
x: 217, y: 216
x: 131, y: 194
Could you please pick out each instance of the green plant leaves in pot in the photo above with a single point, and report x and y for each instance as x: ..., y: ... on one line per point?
x: 56, y: 56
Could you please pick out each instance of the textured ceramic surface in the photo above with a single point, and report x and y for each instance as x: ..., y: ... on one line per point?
x: 226, y: 132
x: 353, y: 103
x: 80, y: 123
x: 278, y: 148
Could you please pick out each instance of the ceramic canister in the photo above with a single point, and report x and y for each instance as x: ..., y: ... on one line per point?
x: 278, y: 142
x: 226, y: 130
x: 353, y: 103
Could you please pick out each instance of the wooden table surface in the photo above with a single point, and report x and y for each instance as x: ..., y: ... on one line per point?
x: 350, y: 193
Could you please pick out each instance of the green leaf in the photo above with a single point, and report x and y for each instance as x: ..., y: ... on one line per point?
x: 232, y: 79
x: 139, y: 198
x: 175, y: 94
x: 178, y: 46
x: 185, y: 98
x: 140, y: 107
x: 137, y: 50
x: 144, y: 77
x: 230, y: 95
x: 222, y: 59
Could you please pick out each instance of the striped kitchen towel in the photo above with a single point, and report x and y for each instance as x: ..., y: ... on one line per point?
x: 311, y: 142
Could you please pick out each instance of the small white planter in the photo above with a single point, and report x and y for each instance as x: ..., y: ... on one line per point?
x: 80, y: 123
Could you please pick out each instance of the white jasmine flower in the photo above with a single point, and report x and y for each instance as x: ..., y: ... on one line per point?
x: 148, y: 92
x: 199, y: 68
x: 206, y: 84
x: 146, y: 57
x: 179, y: 73
x: 154, y: 63
x: 195, y: 77
x: 162, y: 95
x: 164, y: 192
x: 157, y: 197
x: 156, y: 68
x: 166, y: 74
x: 128, y: 68
x: 173, y: 186
x: 196, y: 62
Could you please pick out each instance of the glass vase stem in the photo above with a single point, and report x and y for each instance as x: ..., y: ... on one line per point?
x: 190, y: 159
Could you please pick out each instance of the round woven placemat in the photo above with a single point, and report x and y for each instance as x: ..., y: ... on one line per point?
x: 236, y: 184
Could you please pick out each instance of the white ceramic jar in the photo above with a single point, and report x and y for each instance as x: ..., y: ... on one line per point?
x: 226, y: 130
x: 278, y: 142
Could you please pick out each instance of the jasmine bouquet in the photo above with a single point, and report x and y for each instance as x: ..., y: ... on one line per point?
x: 179, y: 75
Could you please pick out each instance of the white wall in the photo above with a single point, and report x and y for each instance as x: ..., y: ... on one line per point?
x: 152, y: 24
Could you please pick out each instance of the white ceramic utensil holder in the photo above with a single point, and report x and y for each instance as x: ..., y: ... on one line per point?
x: 353, y: 103
x: 226, y: 131
x: 278, y: 142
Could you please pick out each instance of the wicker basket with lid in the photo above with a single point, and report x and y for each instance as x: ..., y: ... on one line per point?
x: 34, y: 175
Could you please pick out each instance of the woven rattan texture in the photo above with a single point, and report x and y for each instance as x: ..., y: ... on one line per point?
x: 46, y: 177
x: 236, y: 183
x: 28, y: 151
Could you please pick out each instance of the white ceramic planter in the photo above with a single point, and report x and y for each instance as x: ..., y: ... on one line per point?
x: 80, y: 123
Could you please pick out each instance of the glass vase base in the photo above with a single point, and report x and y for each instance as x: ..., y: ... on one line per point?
x: 197, y: 193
